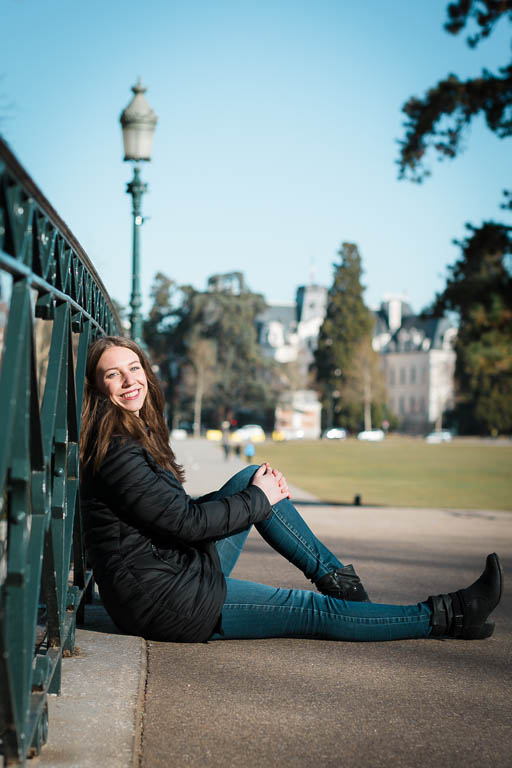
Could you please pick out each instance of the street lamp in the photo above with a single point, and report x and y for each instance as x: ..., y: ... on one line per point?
x: 138, y: 122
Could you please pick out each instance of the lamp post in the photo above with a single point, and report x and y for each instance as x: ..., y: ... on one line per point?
x: 138, y: 123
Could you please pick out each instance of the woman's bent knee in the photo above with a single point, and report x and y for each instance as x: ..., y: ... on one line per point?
x: 239, y: 482
x: 246, y: 473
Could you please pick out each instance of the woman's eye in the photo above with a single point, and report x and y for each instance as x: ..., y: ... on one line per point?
x: 135, y: 367
x: 111, y: 375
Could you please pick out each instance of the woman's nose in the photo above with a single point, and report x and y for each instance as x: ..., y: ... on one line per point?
x: 128, y: 379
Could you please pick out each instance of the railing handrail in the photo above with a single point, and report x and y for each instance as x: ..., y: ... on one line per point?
x: 33, y: 191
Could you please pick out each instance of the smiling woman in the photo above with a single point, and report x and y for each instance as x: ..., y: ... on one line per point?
x: 122, y: 396
x: 163, y: 561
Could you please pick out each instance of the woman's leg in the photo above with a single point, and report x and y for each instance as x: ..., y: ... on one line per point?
x: 288, y: 534
x: 229, y: 549
x: 258, y: 611
x: 285, y: 531
x: 255, y: 610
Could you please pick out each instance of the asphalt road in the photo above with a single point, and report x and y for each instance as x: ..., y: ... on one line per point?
x: 318, y: 703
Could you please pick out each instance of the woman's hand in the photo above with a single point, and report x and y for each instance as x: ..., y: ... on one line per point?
x: 272, y: 483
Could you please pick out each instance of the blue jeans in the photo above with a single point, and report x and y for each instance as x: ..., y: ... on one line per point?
x: 253, y: 610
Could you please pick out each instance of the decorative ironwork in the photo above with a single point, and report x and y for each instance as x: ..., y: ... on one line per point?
x: 52, y: 303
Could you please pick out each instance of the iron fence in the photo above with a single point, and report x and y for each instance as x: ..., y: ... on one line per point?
x: 52, y: 303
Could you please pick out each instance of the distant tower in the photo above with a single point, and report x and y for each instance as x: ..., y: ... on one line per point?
x: 311, y: 302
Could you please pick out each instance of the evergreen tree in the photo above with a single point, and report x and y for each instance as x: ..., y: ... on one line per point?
x: 438, y: 121
x: 479, y: 284
x: 347, y: 325
x: 479, y: 289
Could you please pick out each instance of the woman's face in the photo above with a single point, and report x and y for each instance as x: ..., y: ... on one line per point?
x: 120, y: 376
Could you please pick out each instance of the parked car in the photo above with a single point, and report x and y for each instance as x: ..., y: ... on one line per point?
x: 336, y: 433
x: 442, y: 436
x: 373, y: 435
x: 178, y: 434
x: 252, y: 432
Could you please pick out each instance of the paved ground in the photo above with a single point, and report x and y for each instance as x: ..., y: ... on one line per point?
x: 304, y: 702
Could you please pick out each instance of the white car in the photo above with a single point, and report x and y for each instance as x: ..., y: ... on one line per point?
x: 336, y: 433
x: 373, y: 435
x: 252, y: 432
x: 179, y: 434
x: 442, y: 436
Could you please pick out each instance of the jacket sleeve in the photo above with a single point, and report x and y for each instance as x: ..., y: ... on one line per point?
x: 160, y: 506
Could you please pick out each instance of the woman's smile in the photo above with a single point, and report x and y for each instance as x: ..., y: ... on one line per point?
x: 131, y: 395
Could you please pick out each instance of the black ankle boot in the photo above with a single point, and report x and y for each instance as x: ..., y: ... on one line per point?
x: 344, y: 584
x: 464, y: 613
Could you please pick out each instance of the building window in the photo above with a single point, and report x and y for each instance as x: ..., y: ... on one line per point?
x: 423, y: 374
x: 412, y: 404
x: 402, y: 405
x: 392, y: 376
x: 402, y: 375
x: 422, y: 405
x: 412, y: 375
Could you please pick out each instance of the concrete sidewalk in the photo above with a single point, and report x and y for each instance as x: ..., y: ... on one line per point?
x: 301, y: 702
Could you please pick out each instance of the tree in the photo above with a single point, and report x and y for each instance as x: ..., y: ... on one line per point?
x: 364, y: 383
x: 205, y: 344
x: 242, y: 373
x: 161, y: 315
x: 479, y: 285
x: 479, y: 289
x: 158, y: 336
x: 202, y: 355
x: 346, y: 330
x: 439, y: 120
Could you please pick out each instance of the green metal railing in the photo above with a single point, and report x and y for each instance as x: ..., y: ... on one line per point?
x: 52, y: 304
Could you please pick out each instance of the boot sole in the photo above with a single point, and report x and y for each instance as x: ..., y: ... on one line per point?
x: 479, y: 632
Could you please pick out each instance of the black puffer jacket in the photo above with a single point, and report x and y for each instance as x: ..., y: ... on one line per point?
x: 152, y: 547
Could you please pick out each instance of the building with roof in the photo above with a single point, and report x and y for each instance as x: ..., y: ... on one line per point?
x: 418, y: 360
x: 288, y: 331
x: 417, y: 354
x: 227, y: 282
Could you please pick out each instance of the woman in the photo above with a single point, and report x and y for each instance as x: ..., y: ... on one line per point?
x: 162, y: 560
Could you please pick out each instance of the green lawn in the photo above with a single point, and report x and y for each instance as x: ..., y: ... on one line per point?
x: 399, y: 471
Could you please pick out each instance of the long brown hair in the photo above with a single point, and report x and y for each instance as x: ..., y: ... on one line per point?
x: 102, y: 419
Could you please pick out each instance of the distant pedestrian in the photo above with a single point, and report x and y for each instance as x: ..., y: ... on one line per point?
x: 249, y: 451
x: 226, y: 443
x: 163, y: 560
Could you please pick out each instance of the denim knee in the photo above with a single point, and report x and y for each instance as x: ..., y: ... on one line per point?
x: 239, y: 482
x: 247, y: 472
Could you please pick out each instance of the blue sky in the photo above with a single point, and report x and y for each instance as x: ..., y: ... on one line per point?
x: 276, y: 138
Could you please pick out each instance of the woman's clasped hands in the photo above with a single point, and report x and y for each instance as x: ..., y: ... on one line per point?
x: 272, y: 483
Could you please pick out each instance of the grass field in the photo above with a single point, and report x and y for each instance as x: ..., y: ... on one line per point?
x: 398, y: 472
